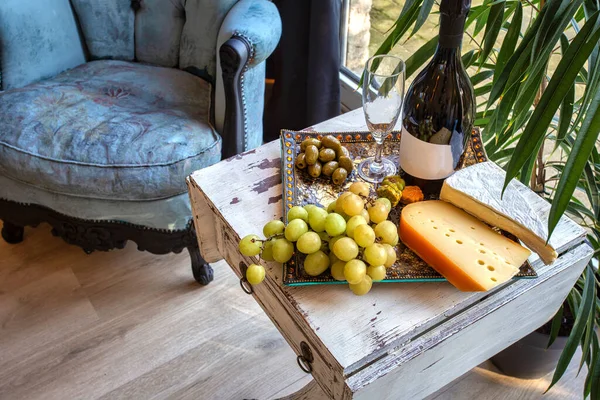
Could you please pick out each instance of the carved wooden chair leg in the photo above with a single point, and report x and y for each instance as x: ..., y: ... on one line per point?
x: 203, y: 272
x: 12, y: 234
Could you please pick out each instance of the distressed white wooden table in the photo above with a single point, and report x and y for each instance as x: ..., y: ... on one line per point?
x: 399, y: 341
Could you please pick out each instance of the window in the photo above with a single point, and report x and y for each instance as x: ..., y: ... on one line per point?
x: 364, y: 26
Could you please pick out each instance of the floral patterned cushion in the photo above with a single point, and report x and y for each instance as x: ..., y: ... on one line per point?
x: 109, y: 129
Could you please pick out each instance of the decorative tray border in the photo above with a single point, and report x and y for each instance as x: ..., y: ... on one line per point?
x: 299, y: 188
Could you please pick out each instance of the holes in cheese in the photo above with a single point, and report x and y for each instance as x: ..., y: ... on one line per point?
x: 468, y: 253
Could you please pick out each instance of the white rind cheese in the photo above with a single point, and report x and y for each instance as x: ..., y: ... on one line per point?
x: 478, y: 189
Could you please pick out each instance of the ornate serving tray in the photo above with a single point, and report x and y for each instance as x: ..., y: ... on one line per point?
x: 299, y: 188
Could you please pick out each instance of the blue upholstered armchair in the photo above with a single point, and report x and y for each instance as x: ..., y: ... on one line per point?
x: 107, y: 106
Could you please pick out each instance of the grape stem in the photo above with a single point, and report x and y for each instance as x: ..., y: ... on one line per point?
x: 277, y: 236
x: 371, y: 200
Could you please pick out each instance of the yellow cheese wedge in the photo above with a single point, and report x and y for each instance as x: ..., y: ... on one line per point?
x: 468, y: 253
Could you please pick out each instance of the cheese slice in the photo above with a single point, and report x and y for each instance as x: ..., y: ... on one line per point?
x: 468, y: 253
x: 478, y: 190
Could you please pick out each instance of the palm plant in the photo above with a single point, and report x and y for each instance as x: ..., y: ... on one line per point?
x: 535, y: 67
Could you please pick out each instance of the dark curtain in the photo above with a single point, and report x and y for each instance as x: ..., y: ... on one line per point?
x: 305, y: 66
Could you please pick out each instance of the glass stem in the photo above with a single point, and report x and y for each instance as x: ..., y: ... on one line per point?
x: 379, y: 138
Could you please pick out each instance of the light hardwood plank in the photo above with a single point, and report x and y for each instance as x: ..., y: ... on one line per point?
x: 43, y: 256
x: 222, y: 367
x: 56, y: 299
x: 298, y: 386
x: 149, y: 315
x: 312, y: 391
x: 486, y: 383
x: 124, y: 348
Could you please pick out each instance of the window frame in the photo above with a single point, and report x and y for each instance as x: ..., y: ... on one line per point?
x: 350, y: 93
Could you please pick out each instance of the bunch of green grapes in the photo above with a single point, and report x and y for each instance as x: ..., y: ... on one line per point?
x: 352, y: 238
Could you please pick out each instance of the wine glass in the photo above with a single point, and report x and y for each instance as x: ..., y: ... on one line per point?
x: 382, y: 97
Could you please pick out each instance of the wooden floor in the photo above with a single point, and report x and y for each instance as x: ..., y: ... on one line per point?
x: 130, y: 325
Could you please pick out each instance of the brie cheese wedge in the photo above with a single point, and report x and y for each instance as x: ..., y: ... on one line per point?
x: 478, y: 190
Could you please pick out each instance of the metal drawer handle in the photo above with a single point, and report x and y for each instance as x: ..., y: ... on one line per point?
x: 305, y: 359
x: 246, y: 286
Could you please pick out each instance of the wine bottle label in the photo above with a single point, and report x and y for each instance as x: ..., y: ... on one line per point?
x: 425, y: 160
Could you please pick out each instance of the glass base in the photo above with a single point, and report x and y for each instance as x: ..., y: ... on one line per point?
x: 371, y: 172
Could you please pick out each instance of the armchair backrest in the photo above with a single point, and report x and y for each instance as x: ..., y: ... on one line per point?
x: 37, y: 40
x: 170, y: 33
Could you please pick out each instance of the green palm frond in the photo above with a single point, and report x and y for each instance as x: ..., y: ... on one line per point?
x: 535, y: 68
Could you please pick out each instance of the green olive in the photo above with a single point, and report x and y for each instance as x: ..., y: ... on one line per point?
x: 326, y: 155
x: 300, y: 161
x: 329, y: 167
x: 315, y: 170
x: 331, y: 142
x: 342, y: 151
x: 310, y: 141
x: 339, y: 176
x: 311, y: 154
x: 346, y: 163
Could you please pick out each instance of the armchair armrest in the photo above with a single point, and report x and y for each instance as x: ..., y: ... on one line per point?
x: 248, y: 35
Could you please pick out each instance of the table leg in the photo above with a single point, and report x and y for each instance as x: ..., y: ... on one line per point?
x: 312, y: 391
x: 204, y: 221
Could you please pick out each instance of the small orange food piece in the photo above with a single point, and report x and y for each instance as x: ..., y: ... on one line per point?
x: 411, y: 194
x: 470, y: 254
